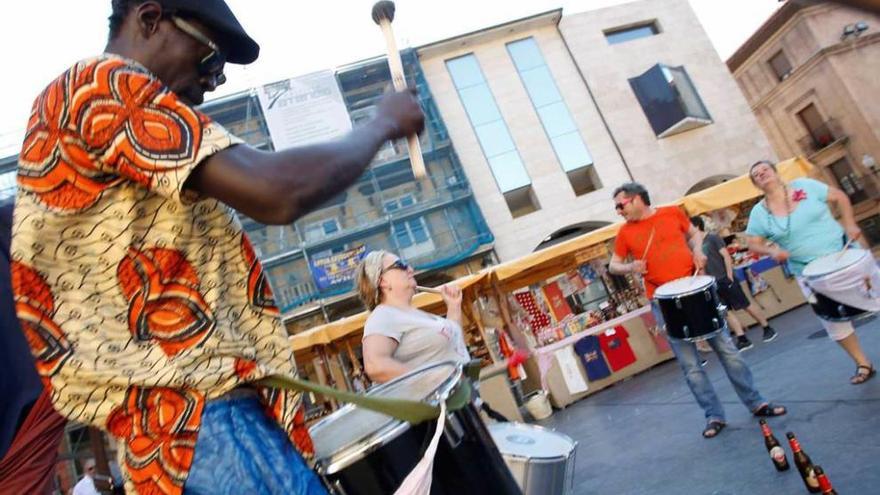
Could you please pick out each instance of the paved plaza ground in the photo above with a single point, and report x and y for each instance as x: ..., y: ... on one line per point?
x: 642, y: 436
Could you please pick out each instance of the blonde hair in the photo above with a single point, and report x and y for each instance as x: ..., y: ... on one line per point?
x: 368, y: 272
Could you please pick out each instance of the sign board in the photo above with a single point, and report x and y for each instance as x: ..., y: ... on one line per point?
x: 336, y: 268
x: 304, y: 110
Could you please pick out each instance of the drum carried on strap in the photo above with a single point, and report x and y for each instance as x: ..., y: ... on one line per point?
x: 691, y: 308
x: 846, y: 286
x: 542, y: 460
x: 361, y: 452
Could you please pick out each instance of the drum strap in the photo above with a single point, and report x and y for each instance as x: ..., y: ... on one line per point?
x: 405, y: 410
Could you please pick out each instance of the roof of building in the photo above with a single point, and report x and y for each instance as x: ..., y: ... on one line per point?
x: 524, y: 23
x: 763, y: 33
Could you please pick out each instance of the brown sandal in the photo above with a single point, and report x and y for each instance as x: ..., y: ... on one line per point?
x: 860, y: 378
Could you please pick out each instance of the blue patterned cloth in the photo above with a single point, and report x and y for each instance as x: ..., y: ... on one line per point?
x: 241, y: 450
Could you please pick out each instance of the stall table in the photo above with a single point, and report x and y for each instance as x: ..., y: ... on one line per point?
x: 545, y: 371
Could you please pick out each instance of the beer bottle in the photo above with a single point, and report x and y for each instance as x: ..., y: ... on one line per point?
x: 824, y: 483
x: 804, y: 464
x: 777, y: 453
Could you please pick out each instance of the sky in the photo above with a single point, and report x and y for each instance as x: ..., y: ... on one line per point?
x: 41, y: 39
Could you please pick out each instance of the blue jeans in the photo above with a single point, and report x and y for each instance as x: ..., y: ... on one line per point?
x: 736, y: 368
x: 241, y: 450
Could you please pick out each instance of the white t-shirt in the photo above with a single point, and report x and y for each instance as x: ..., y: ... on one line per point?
x: 86, y: 486
x: 422, y: 337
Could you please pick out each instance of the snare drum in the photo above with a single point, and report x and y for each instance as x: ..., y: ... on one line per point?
x: 691, y: 308
x: 846, y: 286
x: 542, y: 460
x: 362, y: 452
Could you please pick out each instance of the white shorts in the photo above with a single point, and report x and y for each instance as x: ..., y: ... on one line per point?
x: 837, y: 330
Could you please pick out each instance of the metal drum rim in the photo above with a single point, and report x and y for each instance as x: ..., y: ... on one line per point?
x: 682, y: 294
x: 393, y: 428
x: 814, y: 276
x: 573, y: 442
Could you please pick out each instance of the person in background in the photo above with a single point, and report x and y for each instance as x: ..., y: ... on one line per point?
x: 86, y: 486
x: 719, y: 264
x: 794, y: 224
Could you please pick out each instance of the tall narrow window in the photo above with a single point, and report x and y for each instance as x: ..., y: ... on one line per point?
x: 555, y: 117
x: 780, y: 65
x: 491, y: 130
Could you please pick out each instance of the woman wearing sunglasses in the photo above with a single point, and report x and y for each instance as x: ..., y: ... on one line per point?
x: 397, y: 336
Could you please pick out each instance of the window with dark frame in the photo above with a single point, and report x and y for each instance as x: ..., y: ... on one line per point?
x: 819, y: 129
x: 780, y: 65
x: 629, y: 33
x: 670, y: 101
x: 849, y: 181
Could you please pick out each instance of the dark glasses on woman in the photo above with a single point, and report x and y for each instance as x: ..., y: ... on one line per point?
x: 398, y: 264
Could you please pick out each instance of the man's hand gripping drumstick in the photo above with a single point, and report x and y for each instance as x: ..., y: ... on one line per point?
x: 383, y: 14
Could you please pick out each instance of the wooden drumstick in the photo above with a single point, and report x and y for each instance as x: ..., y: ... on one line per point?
x: 383, y: 14
x: 429, y: 290
x: 842, y: 251
x: 648, y: 245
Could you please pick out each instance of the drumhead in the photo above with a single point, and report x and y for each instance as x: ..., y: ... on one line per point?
x: 530, y: 441
x: 352, y: 429
x: 684, y: 285
x: 833, y: 262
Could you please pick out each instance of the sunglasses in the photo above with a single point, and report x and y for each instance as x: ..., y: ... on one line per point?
x: 399, y: 264
x: 211, y: 66
x: 620, y: 206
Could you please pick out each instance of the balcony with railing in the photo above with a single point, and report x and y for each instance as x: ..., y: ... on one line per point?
x: 821, y: 136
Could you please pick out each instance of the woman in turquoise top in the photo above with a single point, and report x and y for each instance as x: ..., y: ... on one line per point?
x: 794, y: 223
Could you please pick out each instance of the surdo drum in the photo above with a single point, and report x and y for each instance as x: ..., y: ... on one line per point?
x: 542, y: 460
x: 691, y: 308
x: 846, y: 286
x: 361, y: 452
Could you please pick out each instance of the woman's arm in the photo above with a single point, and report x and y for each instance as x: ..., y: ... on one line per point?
x: 451, y: 295
x: 840, y: 200
x: 758, y: 244
x: 378, y: 361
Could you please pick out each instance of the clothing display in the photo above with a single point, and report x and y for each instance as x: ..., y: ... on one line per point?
x: 589, y: 350
x: 615, y: 346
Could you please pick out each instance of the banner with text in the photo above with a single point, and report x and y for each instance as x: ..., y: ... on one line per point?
x: 304, y: 110
x: 336, y: 268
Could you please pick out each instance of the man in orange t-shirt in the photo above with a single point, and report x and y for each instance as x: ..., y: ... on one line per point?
x: 664, y: 246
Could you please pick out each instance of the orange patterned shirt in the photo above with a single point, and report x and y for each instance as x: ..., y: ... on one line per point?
x: 140, y: 300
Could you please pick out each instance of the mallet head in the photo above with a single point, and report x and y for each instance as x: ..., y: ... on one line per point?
x: 383, y: 10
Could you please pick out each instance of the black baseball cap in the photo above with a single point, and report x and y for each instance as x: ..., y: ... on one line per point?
x: 237, y: 45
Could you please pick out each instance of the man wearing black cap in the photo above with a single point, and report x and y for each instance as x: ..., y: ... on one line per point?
x: 140, y: 296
